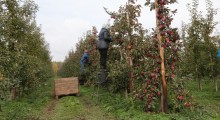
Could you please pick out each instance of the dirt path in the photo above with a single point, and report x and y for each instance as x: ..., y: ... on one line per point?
x: 49, y: 110
x: 91, y: 111
x: 74, y: 108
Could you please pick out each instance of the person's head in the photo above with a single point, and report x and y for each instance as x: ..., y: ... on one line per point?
x: 106, y: 26
x: 85, y: 51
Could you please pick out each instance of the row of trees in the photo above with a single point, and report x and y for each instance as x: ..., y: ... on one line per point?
x: 199, y: 53
x: 152, y: 66
x: 25, y: 60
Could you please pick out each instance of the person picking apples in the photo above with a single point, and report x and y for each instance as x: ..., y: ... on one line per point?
x: 104, y: 39
x: 84, y: 59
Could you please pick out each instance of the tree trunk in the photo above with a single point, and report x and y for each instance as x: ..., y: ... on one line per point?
x: 213, y: 76
x: 121, y: 54
x: 0, y: 108
x: 129, y: 72
x: 161, y: 99
x: 126, y: 94
x: 198, y: 79
x: 131, y: 75
x: 212, y: 69
x: 216, y: 84
x: 164, y: 86
x: 0, y: 104
x: 13, y: 93
x: 200, y: 85
x: 164, y: 104
x: 199, y: 82
x: 129, y: 58
x: 121, y: 58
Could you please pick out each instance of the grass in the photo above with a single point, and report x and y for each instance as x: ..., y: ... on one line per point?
x: 66, y: 108
x: 29, y: 106
x: 119, y: 107
x: 77, y: 108
x: 207, y: 105
x: 93, y: 104
x: 208, y: 98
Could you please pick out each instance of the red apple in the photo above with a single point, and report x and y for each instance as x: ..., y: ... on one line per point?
x: 161, y: 27
x: 155, y: 78
x: 158, y: 61
x: 159, y: 16
x: 156, y: 70
x: 155, y: 57
x: 151, y: 95
x: 148, y: 54
x: 180, y: 97
x: 172, y: 75
x: 155, y: 36
x: 175, y: 59
x: 163, y: 19
x: 145, y: 91
x: 167, y: 40
x: 148, y: 82
x: 168, y: 43
x: 168, y: 32
x: 162, y: 33
x: 172, y: 67
x: 164, y: 46
x: 137, y: 65
x: 140, y: 97
x: 158, y: 93
x: 187, y: 104
x: 153, y: 75
x: 149, y: 100
x: 175, y: 49
x: 113, y: 16
x: 162, y: 2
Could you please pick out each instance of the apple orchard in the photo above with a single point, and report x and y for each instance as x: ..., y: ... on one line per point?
x: 145, y: 66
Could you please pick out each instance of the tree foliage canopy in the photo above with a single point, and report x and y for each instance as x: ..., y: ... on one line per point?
x: 25, y: 59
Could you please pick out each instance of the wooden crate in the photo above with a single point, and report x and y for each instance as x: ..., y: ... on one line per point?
x: 66, y: 86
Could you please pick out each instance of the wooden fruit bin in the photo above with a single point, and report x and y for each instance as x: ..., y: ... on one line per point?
x: 66, y: 86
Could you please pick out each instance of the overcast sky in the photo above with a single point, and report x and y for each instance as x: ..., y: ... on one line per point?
x: 63, y: 22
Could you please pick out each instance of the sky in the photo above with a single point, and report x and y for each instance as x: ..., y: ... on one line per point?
x: 63, y: 22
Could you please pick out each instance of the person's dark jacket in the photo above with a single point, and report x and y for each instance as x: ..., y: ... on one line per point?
x: 84, y: 58
x: 104, y: 39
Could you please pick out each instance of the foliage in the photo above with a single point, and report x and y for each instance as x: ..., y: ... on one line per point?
x: 28, y: 106
x: 127, y: 33
x: 25, y: 59
x: 200, y: 46
x: 56, y: 67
